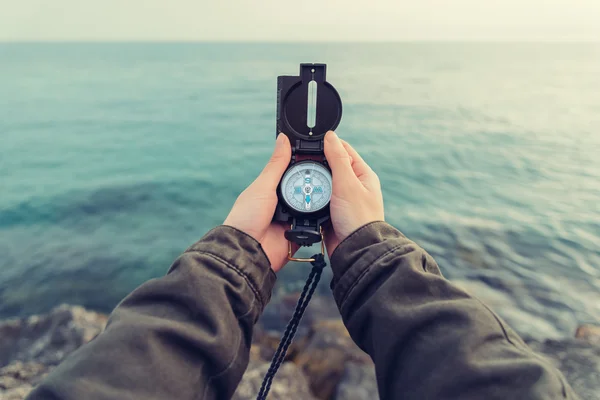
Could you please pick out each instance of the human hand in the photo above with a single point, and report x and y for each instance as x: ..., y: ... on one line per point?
x: 356, y: 199
x: 253, y: 210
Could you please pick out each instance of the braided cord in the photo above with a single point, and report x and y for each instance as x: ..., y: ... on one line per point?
x: 292, y: 327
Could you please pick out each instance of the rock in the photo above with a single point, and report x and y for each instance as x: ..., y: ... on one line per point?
x: 578, y: 360
x: 30, y: 347
x: 49, y: 338
x: 591, y: 333
x: 17, y: 379
x: 289, y: 383
x: 281, y: 308
x: 357, y: 383
x: 264, y: 345
x: 323, y: 354
x: 324, y: 363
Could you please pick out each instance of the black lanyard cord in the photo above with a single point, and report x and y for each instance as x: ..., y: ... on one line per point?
x: 290, y: 331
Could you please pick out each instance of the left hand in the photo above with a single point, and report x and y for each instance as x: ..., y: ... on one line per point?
x: 253, y: 210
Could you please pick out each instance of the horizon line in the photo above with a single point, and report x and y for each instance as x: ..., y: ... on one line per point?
x: 226, y: 41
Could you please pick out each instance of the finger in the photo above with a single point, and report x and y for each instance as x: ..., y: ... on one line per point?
x: 276, y: 247
x: 271, y: 175
x: 338, y: 158
x: 359, y: 165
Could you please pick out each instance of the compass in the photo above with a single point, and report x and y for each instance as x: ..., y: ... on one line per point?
x: 307, y: 107
x: 306, y: 187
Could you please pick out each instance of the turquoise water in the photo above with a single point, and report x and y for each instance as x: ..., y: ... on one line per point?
x: 115, y: 157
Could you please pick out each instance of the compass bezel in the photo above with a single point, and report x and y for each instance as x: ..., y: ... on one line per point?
x: 281, y: 189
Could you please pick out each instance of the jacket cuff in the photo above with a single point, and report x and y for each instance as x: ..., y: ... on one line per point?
x: 242, y: 252
x: 359, y: 251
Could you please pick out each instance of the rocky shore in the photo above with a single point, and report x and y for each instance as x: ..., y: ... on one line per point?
x: 323, y: 363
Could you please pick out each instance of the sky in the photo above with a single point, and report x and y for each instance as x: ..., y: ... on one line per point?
x: 300, y: 20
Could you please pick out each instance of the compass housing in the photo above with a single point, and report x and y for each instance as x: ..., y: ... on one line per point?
x: 307, y: 108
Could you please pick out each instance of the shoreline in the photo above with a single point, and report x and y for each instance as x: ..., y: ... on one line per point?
x: 323, y: 362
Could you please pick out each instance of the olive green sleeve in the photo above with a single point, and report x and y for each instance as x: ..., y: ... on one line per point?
x: 186, y: 335
x: 428, y: 338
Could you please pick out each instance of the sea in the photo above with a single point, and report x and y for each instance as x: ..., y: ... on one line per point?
x: 115, y: 157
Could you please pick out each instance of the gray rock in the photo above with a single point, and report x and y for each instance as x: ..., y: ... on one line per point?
x: 578, y: 360
x: 326, y: 363
x: 17, y: 379
x: 281, y: 308
x: 323, y: 354
x: 264, y: 345
x: 289, y: 383
x: 357, y: 383
x: 48, y: 338
x: 30, y: 347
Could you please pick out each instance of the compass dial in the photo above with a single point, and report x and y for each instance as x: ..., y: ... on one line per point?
x: 306, y: 186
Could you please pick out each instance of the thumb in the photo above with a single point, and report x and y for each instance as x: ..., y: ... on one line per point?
x: 271, y: 174
x: 338, y: 158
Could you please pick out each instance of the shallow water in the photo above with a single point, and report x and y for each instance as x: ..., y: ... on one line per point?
x: 115, y: 157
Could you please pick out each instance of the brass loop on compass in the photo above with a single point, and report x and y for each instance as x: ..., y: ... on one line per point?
x: 292, y: 258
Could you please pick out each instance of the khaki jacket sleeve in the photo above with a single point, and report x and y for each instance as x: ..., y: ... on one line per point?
x: 428, y: 338
x: 183, y: 336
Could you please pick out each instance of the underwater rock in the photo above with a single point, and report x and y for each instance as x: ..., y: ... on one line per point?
x: 590, y: 333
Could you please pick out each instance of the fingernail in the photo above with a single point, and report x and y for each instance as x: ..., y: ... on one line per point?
x: 280, y: 140
x: 331, y: 135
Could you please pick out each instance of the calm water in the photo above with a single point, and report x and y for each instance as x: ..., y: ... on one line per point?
x: 115, y: 158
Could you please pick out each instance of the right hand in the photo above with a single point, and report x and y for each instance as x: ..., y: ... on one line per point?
x: 356, y: 199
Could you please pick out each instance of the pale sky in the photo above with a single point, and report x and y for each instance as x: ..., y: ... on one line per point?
x: 300, y: 20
